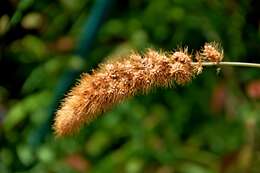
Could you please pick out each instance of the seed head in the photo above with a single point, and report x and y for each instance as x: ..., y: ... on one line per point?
x: 212, y: 52
x: 120, y: 78
x: 181, y: 69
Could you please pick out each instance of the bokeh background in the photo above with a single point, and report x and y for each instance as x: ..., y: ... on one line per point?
x: 208, y: 126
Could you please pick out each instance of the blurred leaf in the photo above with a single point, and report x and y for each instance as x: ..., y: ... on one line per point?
x: 4, y: 24
x: 35, y: 46
x: 23, y: 108
x: 97, y: 143
x: 14, y: 116
x: 32, y: 21
x: 194, y: 168
x: 134, y: 166
x: 25, y: 154
x: 22, y: 6
x: 6, y: 156
x: 45, y: 72
x: 46, y: 154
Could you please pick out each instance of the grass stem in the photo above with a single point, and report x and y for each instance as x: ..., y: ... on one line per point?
x: 239, y: 64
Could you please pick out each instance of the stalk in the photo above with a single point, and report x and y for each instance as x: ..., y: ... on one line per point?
x: 237, y: 64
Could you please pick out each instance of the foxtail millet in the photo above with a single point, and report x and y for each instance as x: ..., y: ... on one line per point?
x: 117, y: 80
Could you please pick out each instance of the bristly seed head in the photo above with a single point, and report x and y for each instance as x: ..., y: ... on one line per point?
x: 212, y: 52
x: 119, y: 79
x: 181, y: 69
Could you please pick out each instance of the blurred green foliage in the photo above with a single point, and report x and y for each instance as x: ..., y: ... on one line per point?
x: 208, y: 126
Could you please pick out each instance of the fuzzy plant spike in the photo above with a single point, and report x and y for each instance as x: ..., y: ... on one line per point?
x: 116, y: 80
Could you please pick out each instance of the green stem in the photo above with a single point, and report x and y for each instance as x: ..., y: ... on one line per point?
x: 240, y: 64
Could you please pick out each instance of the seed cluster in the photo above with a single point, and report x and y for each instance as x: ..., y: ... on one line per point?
x: 212, y: 52
x: 115, y: 81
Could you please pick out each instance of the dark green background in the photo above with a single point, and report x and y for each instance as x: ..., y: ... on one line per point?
x: 208, y: 126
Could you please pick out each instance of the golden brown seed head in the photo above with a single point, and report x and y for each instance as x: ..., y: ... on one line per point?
x: 118, y: 79
x: 212, y: 52
x: 182, y: 56
x: 181, y: 69
x: 181, y: 73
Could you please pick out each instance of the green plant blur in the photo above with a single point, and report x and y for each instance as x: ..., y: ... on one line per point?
x: 208, y: 126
